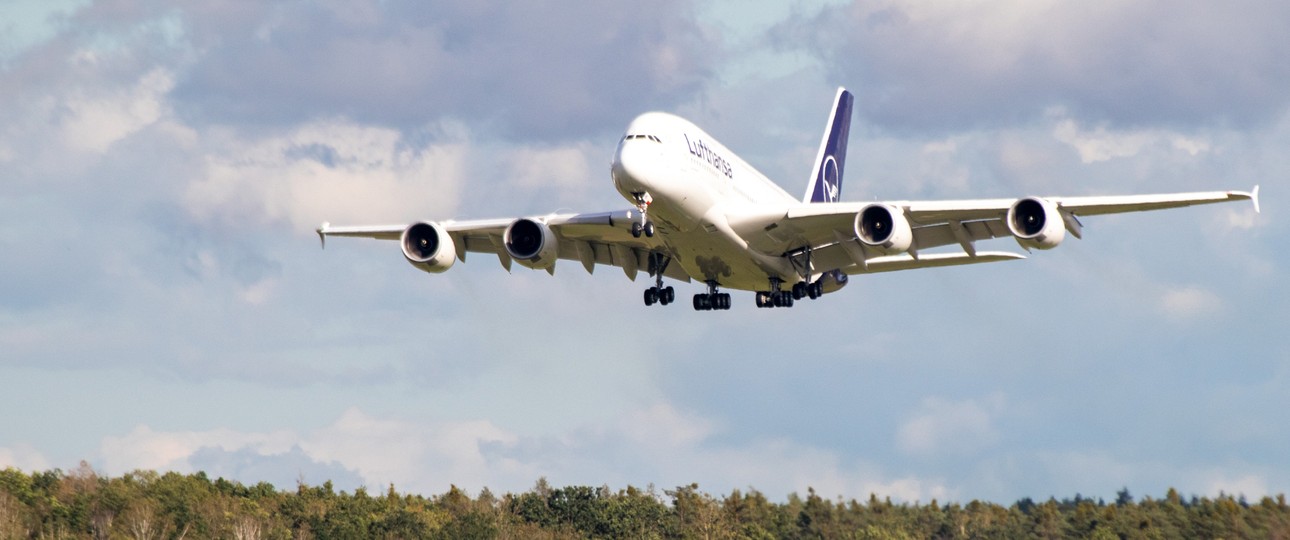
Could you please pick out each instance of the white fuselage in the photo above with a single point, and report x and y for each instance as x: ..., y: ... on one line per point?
x: 699, y: 191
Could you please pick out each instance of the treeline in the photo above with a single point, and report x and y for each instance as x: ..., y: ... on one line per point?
x: 148, y: 505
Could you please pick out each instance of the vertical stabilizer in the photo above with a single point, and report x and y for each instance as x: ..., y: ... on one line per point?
x: 826, y: 176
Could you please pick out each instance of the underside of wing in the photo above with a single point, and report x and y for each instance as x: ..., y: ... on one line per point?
x: 538, y: 242
x: 882, y: 236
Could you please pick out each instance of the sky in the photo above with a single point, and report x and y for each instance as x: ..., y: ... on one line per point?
x: 165, y: 304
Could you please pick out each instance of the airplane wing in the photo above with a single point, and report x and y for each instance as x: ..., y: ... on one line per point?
x: 591, y: 239
x: 829, y: 229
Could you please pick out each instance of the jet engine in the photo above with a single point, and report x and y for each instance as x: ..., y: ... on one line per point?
x: 428, y: 247
x: 1036, y: 223
x: 884, y: 228
x: 531, y: 243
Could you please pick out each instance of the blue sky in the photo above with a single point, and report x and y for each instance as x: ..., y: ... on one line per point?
x: 164, y: 303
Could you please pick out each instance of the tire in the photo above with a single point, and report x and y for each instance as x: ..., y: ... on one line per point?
x: 636, y: 230
x: 649, y: 229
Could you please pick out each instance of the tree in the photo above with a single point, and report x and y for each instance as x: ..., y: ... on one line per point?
x: 14, y: 520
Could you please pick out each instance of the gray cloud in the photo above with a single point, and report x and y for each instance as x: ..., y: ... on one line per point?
x: 282, y: 470
x: 952, y: 66
x: 527, y: 70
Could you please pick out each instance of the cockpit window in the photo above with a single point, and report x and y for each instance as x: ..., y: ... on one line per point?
x: 631, y: 137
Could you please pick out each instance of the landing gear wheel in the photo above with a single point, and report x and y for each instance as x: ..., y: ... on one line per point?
x: 712, y: 300
x: 667, y: 295
x: 799, y: 290
x: 636, y: 230
x: 652, y: 296
x: 816, y: 290
x: 648, y: 229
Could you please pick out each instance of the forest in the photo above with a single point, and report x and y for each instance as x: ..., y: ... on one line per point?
x: 150, y: 505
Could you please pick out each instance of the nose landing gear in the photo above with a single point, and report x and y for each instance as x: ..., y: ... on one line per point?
x: 644, y: 226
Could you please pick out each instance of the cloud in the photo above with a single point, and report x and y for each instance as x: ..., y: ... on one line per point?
x: 425, y: 455
x: 527, y: 70
x: 328, y: 170
x: 1189, y: 302
x: 282, y: 470
x: 416, y: 456
x: 1248, y: 485
x: 564, y: 167
x: 23, y: 456
x: 1102, y: 144
x: 94, y: 122
x: 932, y: 65
x: 946, y: 427
x: 145, y: 448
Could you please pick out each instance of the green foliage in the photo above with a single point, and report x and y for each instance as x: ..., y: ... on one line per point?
x: 147, y: 505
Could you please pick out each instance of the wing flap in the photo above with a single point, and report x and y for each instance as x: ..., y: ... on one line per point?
x: 931, y: 260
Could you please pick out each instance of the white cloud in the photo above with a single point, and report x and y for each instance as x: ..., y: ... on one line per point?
x: 1189, y: 302
x: 97, y: 118
x: 1102, y: 144
x: 423, y: 456
x: 946, y: 427
x: 910, y: 489
x: 1249, y: 485
x: 22, y: 456
x: 661, y: 425
x: 417, y: 455
x: 331, y: 170
x: 1242, y: 219
x: 560, y: 167
x: 144, y: 448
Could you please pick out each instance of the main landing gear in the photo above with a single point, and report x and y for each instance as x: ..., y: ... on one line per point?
x: 658, y: 294
x: 712, y: 300
x: 644, y: 226
x: 776, y: 298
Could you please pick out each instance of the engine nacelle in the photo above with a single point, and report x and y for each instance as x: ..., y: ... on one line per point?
x: 884, y: 228
x: 428, y: 247
x: 531, y: 243
x: 1036, y: 223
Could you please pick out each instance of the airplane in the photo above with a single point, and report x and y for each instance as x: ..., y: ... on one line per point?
x: 700, y: 213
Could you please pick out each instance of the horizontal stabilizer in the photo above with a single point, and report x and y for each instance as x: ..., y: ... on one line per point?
x: 929, y: 260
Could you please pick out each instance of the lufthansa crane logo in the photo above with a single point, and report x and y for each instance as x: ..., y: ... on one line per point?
x: 829, y: 177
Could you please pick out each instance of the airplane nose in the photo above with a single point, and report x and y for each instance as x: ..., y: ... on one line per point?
x: 635, y: 165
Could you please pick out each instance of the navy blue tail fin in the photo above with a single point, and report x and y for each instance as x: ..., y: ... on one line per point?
x: 826, y: 176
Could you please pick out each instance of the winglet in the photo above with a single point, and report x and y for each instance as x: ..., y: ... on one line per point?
x: 322, y: 234
x: 1254, y: 196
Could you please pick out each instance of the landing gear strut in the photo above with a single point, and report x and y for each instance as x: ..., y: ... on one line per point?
x: 712, y: 300
x: 644, y: 226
